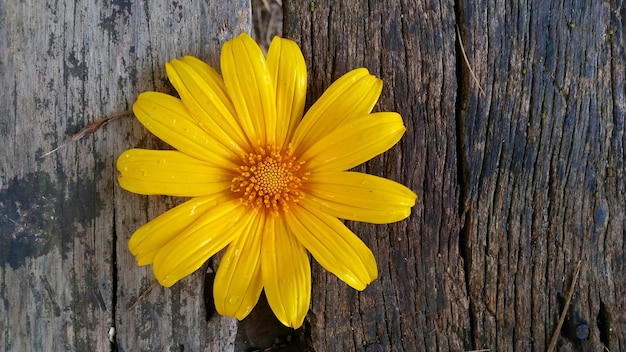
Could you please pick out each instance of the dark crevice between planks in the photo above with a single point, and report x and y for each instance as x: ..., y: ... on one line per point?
x: 209, y: 299
x: 114, y: 278
x: 463, y: 77
x: 604, y: 325
x: 261, y: 331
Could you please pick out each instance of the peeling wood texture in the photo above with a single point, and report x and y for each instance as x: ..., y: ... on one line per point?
x: 420, y: 300
x: 67, y: 275
x: 543, y: 172
x: 516, y: 185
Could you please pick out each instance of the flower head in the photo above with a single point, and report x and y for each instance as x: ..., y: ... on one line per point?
x: 266, y: 183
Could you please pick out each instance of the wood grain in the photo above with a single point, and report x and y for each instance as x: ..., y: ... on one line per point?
x: 67, y: 276
x: 419, y: 301
x: 543, y: 168
x: 516, y: 184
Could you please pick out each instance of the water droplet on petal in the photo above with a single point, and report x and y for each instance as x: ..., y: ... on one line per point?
x: 233, y: 299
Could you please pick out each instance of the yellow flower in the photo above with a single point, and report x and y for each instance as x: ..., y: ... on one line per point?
x: 265, y: 182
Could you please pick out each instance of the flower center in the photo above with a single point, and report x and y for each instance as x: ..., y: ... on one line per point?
x: 270, y: 178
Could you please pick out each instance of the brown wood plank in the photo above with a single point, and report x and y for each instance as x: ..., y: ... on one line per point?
x: 66, y: 274
x: 543, y: 164
x: 516, y: 184
x: 419, y: 301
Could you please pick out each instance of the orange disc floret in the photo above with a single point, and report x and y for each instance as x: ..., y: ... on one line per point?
x: 269, y: 178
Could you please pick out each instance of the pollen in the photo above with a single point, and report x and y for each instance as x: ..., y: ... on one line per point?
x: 269, y: 178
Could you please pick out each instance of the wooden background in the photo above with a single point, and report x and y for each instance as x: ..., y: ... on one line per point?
x: 520, y: 174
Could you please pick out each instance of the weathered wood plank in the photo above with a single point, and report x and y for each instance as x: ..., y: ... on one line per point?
x: 543, y: 167
x: 66, y: 274
x: 515, y: 185
x: 419, y: 301
x: 172, y: 318
x: 540, y: 176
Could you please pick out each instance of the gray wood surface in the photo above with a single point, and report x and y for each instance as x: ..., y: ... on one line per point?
x: 65, y: 272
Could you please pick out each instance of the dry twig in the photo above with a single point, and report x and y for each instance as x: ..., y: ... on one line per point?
x: 142, y: 295
x: 458, y: 34
x: 570, y: 293
x: 89, y: 129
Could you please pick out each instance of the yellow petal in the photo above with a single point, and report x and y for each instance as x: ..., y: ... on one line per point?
x: 250, y: 87
x: 357, y: 196
x: 203, y: 92
x: 286, y: 273
x: 355, y: 142
x: 288, y: 69
x: 170, y: 172
x: 151, y: 237
x: 167, y: 118
x: 333, y: 245
x: 353, y: 94
x: 210, y: 233
x: 238, y: 282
